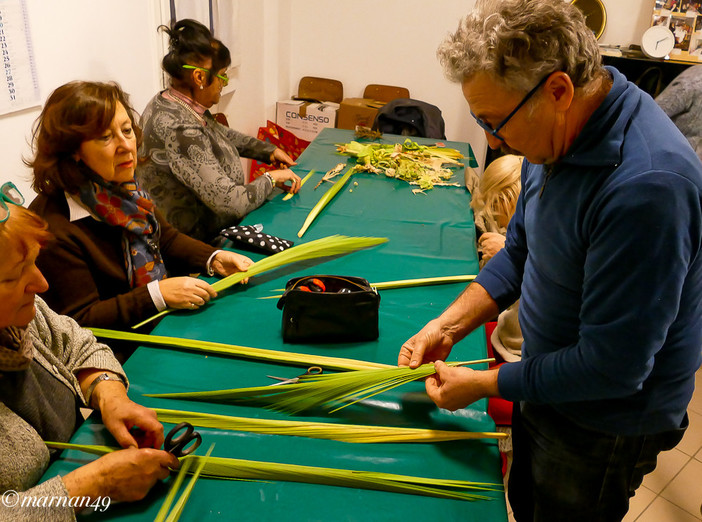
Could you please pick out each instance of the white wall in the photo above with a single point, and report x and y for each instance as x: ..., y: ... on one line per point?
x: 370, y: 41
x: 358, y: 42
x: 83, y: 40
x: 626, y: 21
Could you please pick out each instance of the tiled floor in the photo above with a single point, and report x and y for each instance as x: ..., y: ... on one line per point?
x: 673, y: 492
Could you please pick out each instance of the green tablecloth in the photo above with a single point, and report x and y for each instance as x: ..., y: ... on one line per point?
x: 430, y: 234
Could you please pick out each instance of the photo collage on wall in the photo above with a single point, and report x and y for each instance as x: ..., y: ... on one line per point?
x: 684, y: 19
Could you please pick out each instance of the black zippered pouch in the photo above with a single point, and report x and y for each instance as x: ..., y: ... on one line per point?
x: 329, y: 308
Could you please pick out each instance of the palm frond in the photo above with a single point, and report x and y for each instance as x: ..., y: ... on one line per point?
x: 423, y: 281
x: 175, y: 513
x: 354, y: 433
x: 403, y: 283
x: 324, y: 201
x: 245, y: 352
x: 302, y: 182
x: 324, y: 247
x: 328, y: 391
x: 237, y: 469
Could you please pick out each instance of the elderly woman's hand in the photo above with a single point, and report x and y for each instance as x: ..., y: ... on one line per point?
x: 491, y: 243
x: 281, y: 177
x: 186, y: 292
x: 226, y: 263
x: 121, y: 416
x: 280, y: 156
x: 124, y: 476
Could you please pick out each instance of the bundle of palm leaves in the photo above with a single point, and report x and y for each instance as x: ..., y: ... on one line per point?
x: 329, y: 391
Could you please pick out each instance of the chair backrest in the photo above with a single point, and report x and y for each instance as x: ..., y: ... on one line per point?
x: 408, y: 117
x: 220, y: 117
x: 384, y: 93
x: 316, y: 89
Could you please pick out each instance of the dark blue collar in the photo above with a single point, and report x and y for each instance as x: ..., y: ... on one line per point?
x: 600, y: 141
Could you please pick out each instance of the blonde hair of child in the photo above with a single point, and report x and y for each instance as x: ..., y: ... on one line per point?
x: 498, y: 189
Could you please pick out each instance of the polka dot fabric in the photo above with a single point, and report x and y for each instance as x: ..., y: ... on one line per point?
x: 248, y: 238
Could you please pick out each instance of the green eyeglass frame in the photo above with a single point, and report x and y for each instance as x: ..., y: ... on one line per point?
x: 10, y: 194
x: 223, y: 77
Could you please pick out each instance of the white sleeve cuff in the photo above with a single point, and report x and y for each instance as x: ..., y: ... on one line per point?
x: 210, y: 272
x: 156, y: 295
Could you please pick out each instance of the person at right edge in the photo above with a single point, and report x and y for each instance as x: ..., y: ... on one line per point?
x: 604, y: 252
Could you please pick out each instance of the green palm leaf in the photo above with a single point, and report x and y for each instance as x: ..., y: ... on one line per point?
x: 329, y: 391
x: 302, y: 182
x: 166, y: 514
x: 324, y: 200
x: 298, y: 359
x: 324, y: 247
x: 237, y: 469
x: 354, y: 433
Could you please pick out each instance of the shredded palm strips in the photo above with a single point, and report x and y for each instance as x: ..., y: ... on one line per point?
x: 416, y: 164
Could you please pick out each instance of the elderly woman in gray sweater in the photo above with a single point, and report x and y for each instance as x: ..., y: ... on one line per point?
x: 49, y: 369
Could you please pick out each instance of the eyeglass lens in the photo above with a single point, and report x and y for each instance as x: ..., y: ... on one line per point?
x: 11, y: 194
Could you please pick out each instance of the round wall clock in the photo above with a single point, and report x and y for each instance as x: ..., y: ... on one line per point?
x: 657, y: 41
x: 595, y: 15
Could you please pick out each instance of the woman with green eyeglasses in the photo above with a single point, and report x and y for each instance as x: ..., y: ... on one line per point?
x: 192, y: 166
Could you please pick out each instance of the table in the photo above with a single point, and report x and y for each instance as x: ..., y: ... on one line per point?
x: 430, y: 235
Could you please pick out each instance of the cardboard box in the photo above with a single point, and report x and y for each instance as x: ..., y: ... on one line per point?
x: 357, y: 111
x: 362, y: 111
x: 305, y: 119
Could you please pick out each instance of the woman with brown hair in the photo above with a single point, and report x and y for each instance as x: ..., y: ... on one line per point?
x: 110, y: 263
x: 49, y: 369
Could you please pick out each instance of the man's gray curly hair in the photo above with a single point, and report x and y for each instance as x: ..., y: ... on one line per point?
x: 518, y: 42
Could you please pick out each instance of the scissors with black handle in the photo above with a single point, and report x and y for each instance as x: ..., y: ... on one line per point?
x: 183, y: 443
x: 312, y: 370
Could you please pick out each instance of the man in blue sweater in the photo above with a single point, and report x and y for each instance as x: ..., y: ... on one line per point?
x: 604, y: 250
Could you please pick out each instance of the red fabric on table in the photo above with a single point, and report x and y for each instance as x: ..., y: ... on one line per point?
x: 281, y: 138
x: 499, y: 409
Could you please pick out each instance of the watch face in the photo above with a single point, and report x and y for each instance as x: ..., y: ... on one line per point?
x: 657, y: 41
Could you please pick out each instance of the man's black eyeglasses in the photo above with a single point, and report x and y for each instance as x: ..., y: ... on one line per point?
x: 486, y: 126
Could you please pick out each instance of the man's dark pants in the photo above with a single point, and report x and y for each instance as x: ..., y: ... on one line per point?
x: 562, y: 471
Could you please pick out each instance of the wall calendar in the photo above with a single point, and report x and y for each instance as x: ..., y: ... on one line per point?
x: 19, y: 87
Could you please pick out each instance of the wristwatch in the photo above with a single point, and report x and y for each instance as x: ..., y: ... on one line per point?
x: 102, y: 377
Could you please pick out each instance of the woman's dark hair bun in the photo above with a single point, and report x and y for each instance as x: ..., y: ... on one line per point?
x: 190, y: 42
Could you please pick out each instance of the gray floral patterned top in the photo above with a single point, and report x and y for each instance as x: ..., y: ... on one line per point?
x: 193, y: 171
x: 682, y: 102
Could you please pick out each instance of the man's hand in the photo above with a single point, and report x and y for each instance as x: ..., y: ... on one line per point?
x: 428, y: 345
x: 454, y: 387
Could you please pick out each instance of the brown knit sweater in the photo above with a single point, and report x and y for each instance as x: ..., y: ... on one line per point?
x: 86, y: 271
